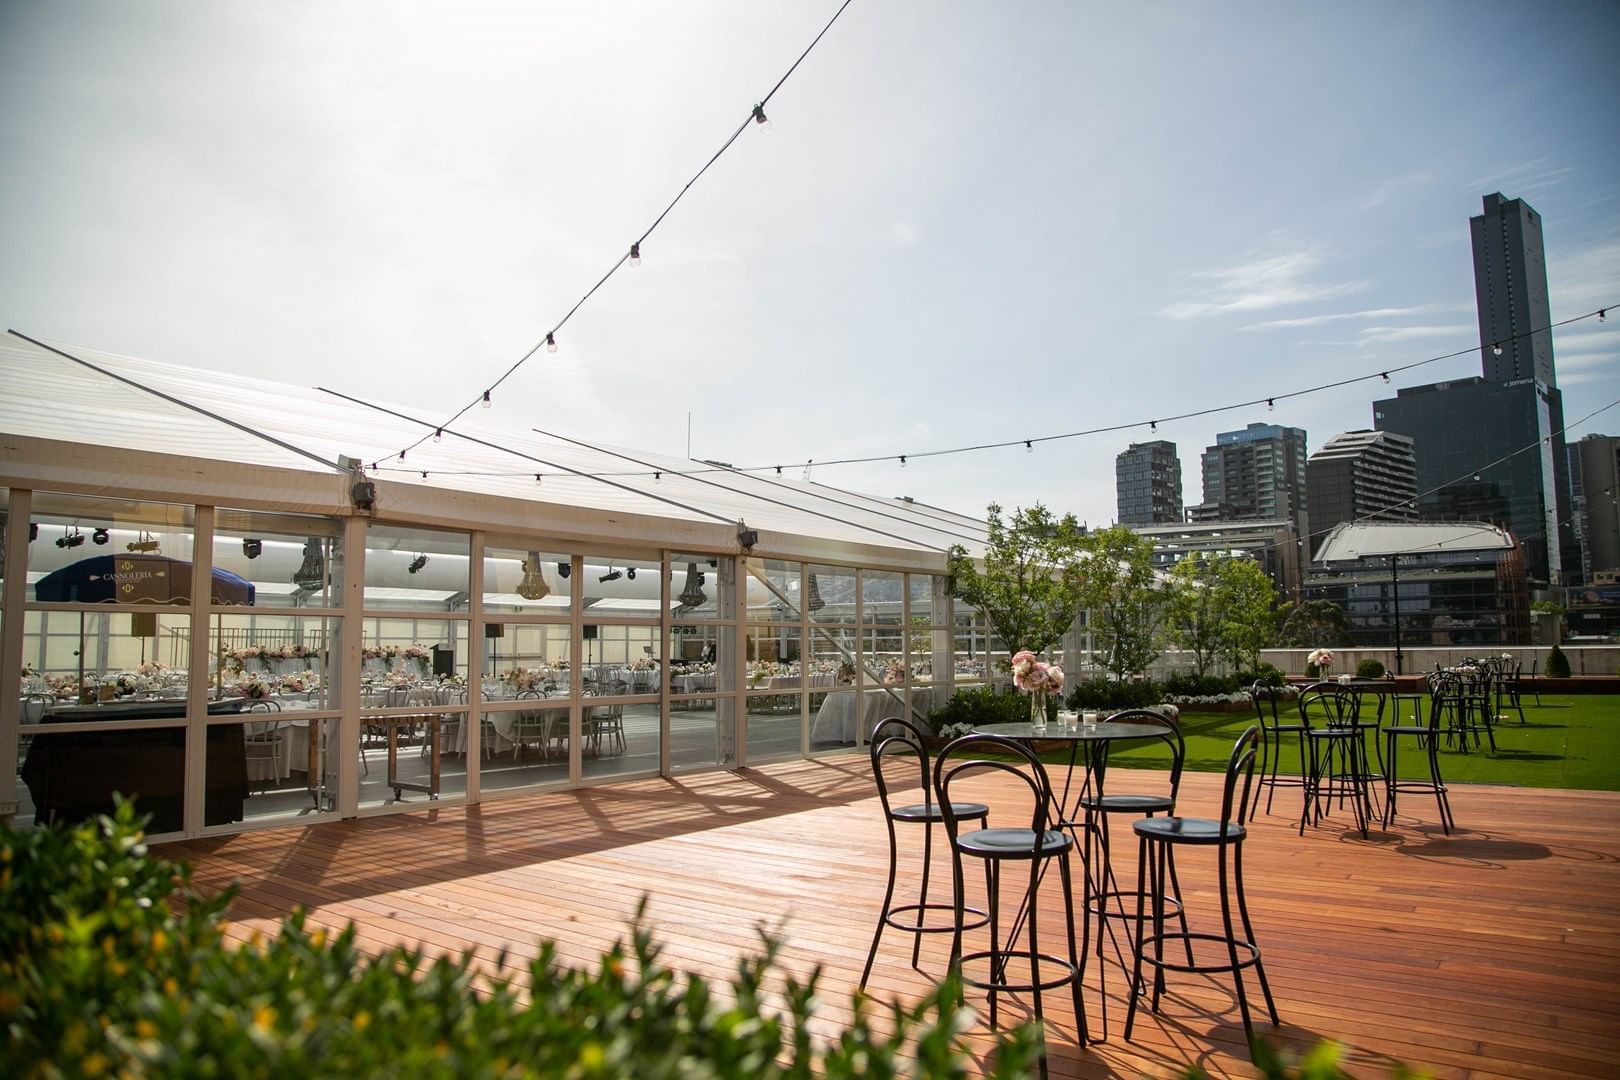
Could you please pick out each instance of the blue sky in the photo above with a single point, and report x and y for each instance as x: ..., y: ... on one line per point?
x: 969, y: 222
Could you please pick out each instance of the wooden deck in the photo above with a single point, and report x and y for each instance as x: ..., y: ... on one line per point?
x: 1495, y: 952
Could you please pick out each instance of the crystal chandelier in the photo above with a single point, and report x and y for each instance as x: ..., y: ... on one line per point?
x: 533, y: 586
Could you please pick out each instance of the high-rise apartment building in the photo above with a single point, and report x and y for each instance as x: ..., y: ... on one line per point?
x: 1147, y: 481
x: 1492, y: 447
x: 1357, y: 475
x: 1257, y: 474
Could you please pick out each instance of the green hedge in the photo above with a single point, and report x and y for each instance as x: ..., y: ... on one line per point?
x: 111, y: 965
x: 1370, y: 669
x: 980, y: 705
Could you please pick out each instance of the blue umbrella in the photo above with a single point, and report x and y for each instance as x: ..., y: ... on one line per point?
x: 135, y: 579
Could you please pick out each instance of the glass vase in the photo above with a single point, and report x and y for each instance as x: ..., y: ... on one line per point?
x: 1037, y: 711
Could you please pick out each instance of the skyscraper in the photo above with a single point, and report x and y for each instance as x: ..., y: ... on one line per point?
x: 1257, y: 474
x: 1600, y: 487
x: 1147, y: 481
x: 1492, y: 447
x: 1357, y: 474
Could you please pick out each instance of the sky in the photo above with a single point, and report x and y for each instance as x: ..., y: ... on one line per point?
x: 968, y: 222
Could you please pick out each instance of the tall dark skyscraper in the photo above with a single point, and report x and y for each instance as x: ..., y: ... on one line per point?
x: 1494, y: 445
x: 1147, y: 482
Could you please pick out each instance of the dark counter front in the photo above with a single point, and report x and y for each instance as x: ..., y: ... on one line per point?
x: 72, y: 776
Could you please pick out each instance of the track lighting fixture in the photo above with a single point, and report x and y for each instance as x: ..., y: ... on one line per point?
x: 71, y: 539
x: 100, y: 536
x: 147, y: 543
x: 33, y: 531
x: 630, y: 572
x: 611, y: 575
x: 564, y: 569
x: 252, y: 548
x: 417, y: 564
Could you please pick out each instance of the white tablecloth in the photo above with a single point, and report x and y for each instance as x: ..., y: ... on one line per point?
x: 836, y: 720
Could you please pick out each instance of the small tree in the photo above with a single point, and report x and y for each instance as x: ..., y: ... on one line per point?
x: 1313, y: 624
x: 1248, y: 603
x: 1193, y: 609
x: 1125, y: 599
x: 1031, y: 588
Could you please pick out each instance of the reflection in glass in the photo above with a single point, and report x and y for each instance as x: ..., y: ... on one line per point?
x: 697, y: 586
x: 96, y: 657
x: 527, y: 580
x: 415, y: 568
x: 292, y: 560
x: 774, y: 725
x: 773, y: 590
x: 882, y: 595
x: 834, y: 588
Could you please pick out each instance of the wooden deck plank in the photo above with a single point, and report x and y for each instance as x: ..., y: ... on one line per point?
x: 1493, y: 952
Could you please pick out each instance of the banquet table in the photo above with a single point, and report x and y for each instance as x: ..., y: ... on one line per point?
x: 843, y: 719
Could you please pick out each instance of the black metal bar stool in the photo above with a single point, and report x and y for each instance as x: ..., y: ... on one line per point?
x: 1273, y: 727
x: 1042, y: 843
x: 896, y: 744
x: 1428, y: 738
x: 1157, y: 835
x: 1106, y: 899
x: 1338, y: 754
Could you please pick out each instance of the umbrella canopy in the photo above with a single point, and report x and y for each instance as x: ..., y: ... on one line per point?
x: 135, y: 579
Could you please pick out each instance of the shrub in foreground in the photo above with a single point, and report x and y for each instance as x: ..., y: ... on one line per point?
x: 1557, y: 664
x: 976, y: 706
x: 111, y: 964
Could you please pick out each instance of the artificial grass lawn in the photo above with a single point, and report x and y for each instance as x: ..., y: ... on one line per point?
x: 1570, y: 741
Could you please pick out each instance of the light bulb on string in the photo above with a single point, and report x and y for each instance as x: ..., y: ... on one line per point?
x: 438, y: 434
x: 902, y: 461
x: 1496, y: 349
x: 1271, y: 405
x: 537, y: 479
x: 402, y: 455
x: 761, y: 119
x: 551, y: 342
x: 1153, y: 425
x: 487, y: 402
x: 424, y: 474
x: 1385, y: 375
x: 807, y: 465
x: 1603, y: 314
x: 658, y: 478
x: 635, y: 254
x: 1029, y: 447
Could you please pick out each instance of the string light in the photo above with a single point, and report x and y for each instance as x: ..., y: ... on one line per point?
x: 1271, y: 405
x: 635, y: 254
x: 551, y: 342
x: 537, y: 479
x: 658, y: 478
x: 902, y: 461
x: 1029, y: 447
x: 1153, y: 425
x: 761, y: 119
x: 487, y: 402
x: 1603, y: 314
x: 438, y: 433
x: 1496, y: 349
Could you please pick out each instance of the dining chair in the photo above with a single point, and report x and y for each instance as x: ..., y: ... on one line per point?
x: 1337, y: 749
x: 1040, y: 845
x: 899, y: 755
x: 1428, y: 739
x: 1226, y: 834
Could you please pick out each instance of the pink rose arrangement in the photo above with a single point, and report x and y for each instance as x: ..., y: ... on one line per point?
x: 1034, y: 676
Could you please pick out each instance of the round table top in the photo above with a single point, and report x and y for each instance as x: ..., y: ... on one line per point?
x: 1100, y: 732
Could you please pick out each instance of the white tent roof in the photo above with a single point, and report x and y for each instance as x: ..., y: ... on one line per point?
x: 1371, y: 539
x: 83, y: 396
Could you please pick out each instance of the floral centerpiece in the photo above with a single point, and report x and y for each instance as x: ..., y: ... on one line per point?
x: 643, y: 663
x: 253, y: 688
x: 1037, y: 678
x: 894, y: 672
x: 127, y: 683
x: 152, y: 667
x: 1319, y: 662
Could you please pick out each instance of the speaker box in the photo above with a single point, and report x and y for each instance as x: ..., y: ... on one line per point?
x: 143, y: 624
x: 494, y: 629
x: 590, y: 632
x: 444, y: 660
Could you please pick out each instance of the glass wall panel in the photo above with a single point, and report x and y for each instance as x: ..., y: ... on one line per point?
x: 416, y: 569
x: 292, y: 560
x: 695, y: 588
x: 623, y: 659
x: 115, y: 551
x: 524, y: 741
x: 883, y: 656
x: 409, y: 650
x: 830, y: 594
x: 413, y: 741
x: 774, y: 724
x: 773, y: 591
x: 106, y: 657
x: 285, y: 658
x: 832, y: 652
x: 618, y: 588
x: 882, y: 597
x: 970, y: 645
x: 522, y: 657
x: 527, y: 582
x: 847, y: 717
x: 72, y: 776
x: 287, y: 770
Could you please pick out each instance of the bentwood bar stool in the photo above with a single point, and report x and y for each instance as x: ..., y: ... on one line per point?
x: 899, y: 748
x: 1157, y: 835
x: 1042, y: 845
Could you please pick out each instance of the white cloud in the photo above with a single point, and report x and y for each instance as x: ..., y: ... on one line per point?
x: 1370, y: 313
x: 1383, y: 192
x: 1565, y: 362
x: 1257, y: 285
x: 1387, y: 334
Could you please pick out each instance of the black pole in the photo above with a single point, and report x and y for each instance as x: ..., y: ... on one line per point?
x: 1395, y: 585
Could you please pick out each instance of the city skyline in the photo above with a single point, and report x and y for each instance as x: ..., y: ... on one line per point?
x: 1044, y: 221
